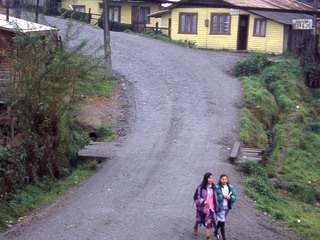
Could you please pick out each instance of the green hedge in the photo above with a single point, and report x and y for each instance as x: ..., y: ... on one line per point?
x: 80, y: 16
x: 67, y: 13
x: 253, y: 65
x: 115, y: 26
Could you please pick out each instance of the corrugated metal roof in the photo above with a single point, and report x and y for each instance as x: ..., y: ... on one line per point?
x: 158, y: 14
x: 22, y: 25
x: 281, y: 17
x: 275, y: 4
x: 267, y: 4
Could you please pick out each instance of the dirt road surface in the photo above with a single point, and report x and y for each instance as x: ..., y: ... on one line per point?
x: 185, y: 118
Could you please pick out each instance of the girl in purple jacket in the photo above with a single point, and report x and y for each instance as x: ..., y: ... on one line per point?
x: 207, y: 204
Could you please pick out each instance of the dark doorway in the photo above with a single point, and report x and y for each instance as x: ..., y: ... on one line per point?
x: 134, y: 14
x: 243, y: 32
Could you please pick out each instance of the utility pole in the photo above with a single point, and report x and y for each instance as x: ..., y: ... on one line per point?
x: 37, y: 12
x: 7, y: 10
x: 106, y: 37
x: 315, y: 6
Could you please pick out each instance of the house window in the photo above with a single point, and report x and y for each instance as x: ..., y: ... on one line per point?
x: 188, y: 23
x: 259, y: 27
x: 5, y: 75
x: 220, y: 23
x: 79, y: 8
x: 114, y: 13
x: 143, y: 14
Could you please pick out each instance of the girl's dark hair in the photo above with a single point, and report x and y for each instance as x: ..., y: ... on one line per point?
x: 204, y: 183
x: 221, y: 176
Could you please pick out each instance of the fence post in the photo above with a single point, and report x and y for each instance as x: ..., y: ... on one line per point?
x: 157, y: 26
x: 169, y: 30
x: 11, y: 126
x: 89, y: 16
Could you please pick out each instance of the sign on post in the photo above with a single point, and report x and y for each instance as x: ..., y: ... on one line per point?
x: 302, y: 24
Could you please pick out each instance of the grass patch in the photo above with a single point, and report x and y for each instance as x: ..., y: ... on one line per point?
x: 297, y: 214
x: 99, y: 87
x: 292, y: 112
x: 25, y: 198
x: 165, y: 38
x: 34, y: 196
x: 106, y: 134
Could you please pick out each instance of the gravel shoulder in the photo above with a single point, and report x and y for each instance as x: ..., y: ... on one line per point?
x: 183, y: 121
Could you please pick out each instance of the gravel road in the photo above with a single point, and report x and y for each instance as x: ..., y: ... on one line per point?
x: 184, y: 122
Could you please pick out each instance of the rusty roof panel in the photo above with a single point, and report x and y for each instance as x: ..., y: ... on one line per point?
x: 274, y: 4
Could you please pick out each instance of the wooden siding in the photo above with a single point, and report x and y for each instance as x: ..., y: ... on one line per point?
x: 125, y: 9
x: 203, y: 38
x: 5, y: 45
x: 272, y: 43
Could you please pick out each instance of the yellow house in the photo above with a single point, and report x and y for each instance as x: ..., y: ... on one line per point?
x: 120, y: 11
x: 231, y: 28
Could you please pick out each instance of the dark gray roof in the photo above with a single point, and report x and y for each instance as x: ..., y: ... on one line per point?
x: 281, y: 17
x: 158, y: 14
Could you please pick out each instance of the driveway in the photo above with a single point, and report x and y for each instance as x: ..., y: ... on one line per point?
x: 184, y: 122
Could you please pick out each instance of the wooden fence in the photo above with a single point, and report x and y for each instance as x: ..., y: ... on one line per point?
x: 306, y: 45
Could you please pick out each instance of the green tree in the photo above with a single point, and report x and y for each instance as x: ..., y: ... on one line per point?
x: 47, y: 78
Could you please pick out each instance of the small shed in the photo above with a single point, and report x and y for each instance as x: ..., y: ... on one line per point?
x: 292, y: 39
x: 8, y: 29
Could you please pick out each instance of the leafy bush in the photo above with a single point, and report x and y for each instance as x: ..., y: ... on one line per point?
x: 269, y: 76
x: 261, y: 187
x: 253, y: 65
x: 43, y: 74
x: 53, y: 11
x: 128, y: 31
x: 257, y: 180
x: 115, y: 26
x: 106, y: 134
x: 315, y: 127
x: 75, y: 15
x: 13, y: 170
x: 303, y: 193
x: 253, y: 168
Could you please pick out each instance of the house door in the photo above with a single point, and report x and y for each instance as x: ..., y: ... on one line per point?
x: 243, y: 32
x: 134, y: 14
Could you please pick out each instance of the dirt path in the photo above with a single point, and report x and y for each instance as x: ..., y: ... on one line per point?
x: 185, y: 118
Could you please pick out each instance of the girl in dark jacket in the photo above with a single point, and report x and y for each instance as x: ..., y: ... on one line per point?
x: 207, y: 204
x: 226, y: 196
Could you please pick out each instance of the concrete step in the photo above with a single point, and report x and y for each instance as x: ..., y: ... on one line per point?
x: 99, y: 151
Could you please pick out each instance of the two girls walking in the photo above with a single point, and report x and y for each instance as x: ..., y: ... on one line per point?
x: 211, y: 199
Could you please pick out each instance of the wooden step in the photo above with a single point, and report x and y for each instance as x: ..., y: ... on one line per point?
x: 252, y: 150
x: 259, y: 160
x: 96, y: 151
x: 234, y: 151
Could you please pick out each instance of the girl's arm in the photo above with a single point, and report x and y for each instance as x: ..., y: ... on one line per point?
x: 216, y: 202
x: 199, y: 201
x: 233, y: 196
